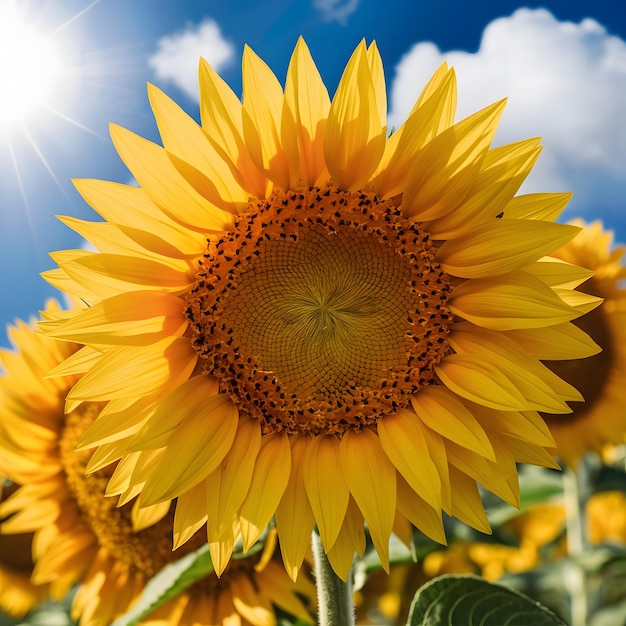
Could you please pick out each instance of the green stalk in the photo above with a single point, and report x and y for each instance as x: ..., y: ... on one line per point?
x: 575, y: 497
x: 334, y: 596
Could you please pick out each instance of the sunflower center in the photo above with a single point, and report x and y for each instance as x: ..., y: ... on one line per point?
x: 320, y: 311
x: 589, y: 375
x: 146, y: 551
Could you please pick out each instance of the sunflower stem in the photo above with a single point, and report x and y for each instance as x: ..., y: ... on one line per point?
x: 334, y: 596
x: 575, y: 497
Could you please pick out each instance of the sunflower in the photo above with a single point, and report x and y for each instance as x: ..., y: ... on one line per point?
x: 82, y: 537
x: 601, y: 420
x: 606, y: 517
x: 18, y: 594
x: 296, y: 315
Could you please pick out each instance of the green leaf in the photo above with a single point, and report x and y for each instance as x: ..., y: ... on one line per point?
x: 168, y: 583
x: 454, y: 600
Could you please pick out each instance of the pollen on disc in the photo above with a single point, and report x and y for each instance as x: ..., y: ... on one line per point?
x: 321, y: 310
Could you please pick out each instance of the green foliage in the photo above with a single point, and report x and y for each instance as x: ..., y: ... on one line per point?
x: 455, y: 600
x: 168, y: 583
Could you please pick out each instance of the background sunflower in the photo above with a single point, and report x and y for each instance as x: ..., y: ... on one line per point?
x: 83, y: 538
x: 601, y: 419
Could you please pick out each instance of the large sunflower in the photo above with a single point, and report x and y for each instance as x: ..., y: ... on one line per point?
x: 297, y: 315
x: 82, y: 537
x: 601, y: 420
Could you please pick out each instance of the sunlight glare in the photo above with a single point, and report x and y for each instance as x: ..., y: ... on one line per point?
x: 30, y: 67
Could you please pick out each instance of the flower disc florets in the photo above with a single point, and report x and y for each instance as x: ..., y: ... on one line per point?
x: 321, y: 310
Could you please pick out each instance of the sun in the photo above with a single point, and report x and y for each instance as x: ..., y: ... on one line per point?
x: 31, y: 65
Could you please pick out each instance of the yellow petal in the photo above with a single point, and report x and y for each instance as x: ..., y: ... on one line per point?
x: 61, y: 281
x: 121, y: 478
x: 325, y: 487
x: 81, y: 288
x: 78, y: 363
x: 437, y: 450
x: 32, y: 518
x: 132, y: 372
x: 274, y: 587
x: 190, y: 514
x: 467, y: 461
x: 501, y: 173
x: 184, y: 139
x: 442, y: 75
x: 525, y: 425
x: 473, y: 378
x: 104, y: 236
x: 128, y: 241
x: 375, y: 63
x: 105, y: 455
x: 402, y: 528
x: 515, y: 300
x: 27, y: 496
x: 119, y: 419
x: 419, y: 512
x: 466, y: 502
x: 501, y: 246
x: 111, y: 274
x: 354, y: 525
x: 227, y: 486
x: 503, y: 480
x: 556, y: 343
x: 165, y: 186
x: 194, y: 449
x: 269, y: 549
x: 269, y: 480
x: 371, y: 479
x: 402, y: 438
x: 355, y: 133
x: 537, y: 206
x: 557, y: 273
x: 126, y: 205
x: 262, y: 110
x: 144, y: 517
x: 424, y: 123
x: 542, y: 389
x: 304, y: 118
x: 134, y: 318
x: 221, y: 551
x: 189, y: 398
x: 441, y: 411
x: 525, y: 452
x: 443, y: 172
x: 294, y: 516
x: 60, y: 557
x: 351, y: 539
x: 250, y: 604
x: 221, y: 115
x: 582, y: 302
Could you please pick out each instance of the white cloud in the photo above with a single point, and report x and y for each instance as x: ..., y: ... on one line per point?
x: 336, y: 10
x: 565, y: 82
x: 177, y: 56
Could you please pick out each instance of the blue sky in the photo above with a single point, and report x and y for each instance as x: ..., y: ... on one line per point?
x: 562, y: 63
